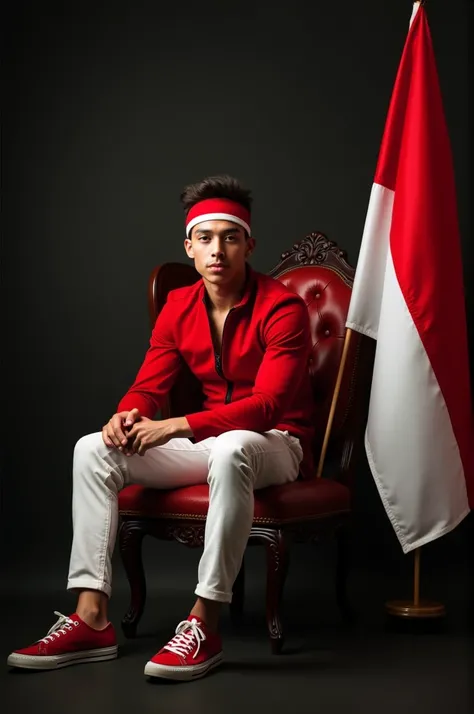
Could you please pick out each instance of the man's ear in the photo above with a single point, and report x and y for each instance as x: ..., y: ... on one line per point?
x: 188, y: 247
x: 250, y: 246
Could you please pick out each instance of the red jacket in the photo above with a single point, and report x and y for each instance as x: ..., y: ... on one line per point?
x: 260, y: 381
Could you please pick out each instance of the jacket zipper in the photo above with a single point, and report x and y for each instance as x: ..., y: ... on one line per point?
x: 218, y: 361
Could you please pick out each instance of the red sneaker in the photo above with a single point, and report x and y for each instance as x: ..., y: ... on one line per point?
x: 69, y: 641
x: 191, y: 653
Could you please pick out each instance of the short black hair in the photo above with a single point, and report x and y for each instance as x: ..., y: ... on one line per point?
x: 216, y: 187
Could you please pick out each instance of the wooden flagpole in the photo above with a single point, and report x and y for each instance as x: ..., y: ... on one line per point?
x: 335, y: 396
x: 416, y: 608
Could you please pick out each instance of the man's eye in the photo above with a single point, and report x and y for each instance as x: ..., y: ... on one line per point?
x: 230, y: 237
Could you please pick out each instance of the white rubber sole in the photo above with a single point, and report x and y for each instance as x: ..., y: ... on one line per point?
x: 182, y: 674
x: 57, y: 661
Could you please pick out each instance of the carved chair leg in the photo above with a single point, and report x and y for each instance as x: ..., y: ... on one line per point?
x: 130, y: 542
x: 342, y: 570
x: 276, y: 546
x: 238, y: 596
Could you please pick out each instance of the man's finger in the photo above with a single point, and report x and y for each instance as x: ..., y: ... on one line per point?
x: 133, y: 415
x: 113, y: 437
x: 105, y: 438
x: 128, y: 450
x: 110, y: 434
x: 136, y: 445
x: 135, y: 430
x: 116, y: 424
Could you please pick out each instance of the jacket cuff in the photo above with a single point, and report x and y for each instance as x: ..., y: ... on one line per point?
x: 201, y: 425
x: 136, y: 401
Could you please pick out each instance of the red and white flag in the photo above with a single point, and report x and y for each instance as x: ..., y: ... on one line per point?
x: 408, y: 295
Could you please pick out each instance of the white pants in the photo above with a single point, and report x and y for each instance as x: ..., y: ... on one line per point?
x: 234, y: 464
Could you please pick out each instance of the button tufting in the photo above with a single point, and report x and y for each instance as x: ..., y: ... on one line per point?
x: 326, y: 332
x: 318, y: 295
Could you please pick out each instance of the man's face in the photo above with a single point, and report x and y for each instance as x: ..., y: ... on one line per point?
x: 219, y: 250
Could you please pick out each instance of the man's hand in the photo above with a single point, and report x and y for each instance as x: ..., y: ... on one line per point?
x: 148, y: 433
x: 115, y: 432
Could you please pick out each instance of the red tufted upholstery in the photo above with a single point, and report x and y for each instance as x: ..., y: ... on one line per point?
x: 327, y: 297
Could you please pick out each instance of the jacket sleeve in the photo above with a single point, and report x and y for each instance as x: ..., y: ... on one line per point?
x: 287, y: 348
x: 158, y: 372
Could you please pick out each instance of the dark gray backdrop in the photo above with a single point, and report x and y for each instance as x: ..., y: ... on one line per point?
x: 108, y: 112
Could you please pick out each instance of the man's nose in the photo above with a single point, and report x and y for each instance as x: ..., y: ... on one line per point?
x: 217, y: 247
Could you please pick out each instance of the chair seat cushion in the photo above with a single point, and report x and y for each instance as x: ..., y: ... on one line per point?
x: 298, y: 501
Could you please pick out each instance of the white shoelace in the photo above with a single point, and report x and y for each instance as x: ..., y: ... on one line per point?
x: 188, y: 635
x: 59, y: 628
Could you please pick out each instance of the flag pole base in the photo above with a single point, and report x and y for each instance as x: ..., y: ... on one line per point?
x: 425, y: 609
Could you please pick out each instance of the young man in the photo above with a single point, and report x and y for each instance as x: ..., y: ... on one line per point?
x: 246, y: 337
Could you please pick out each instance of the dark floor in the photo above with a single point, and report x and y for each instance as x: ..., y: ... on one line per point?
x: 374, y: 667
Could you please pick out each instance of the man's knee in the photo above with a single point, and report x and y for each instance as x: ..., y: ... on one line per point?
x: 230, y: 444
x: 94, y: 461
x: 229, y: 457
x: 89, y: 446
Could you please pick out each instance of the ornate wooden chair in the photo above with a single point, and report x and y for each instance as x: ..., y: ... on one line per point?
x: 301, y: 511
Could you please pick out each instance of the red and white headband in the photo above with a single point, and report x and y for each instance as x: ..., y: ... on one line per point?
x: 218, y: 209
